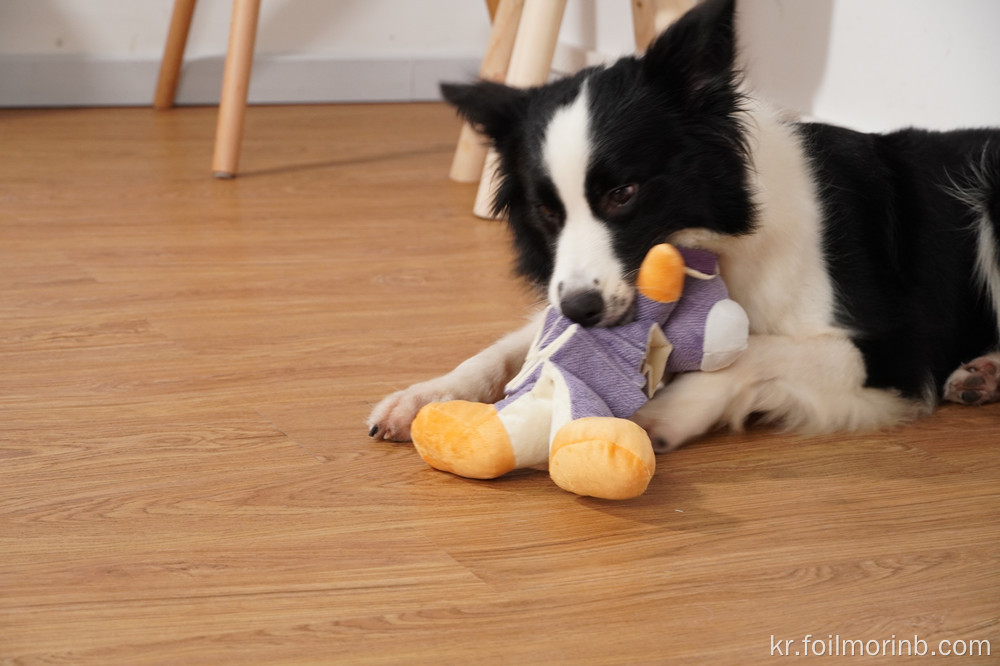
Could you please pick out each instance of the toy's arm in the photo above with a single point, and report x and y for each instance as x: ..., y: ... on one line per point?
x: 724, y: 337
x: 707, y: 329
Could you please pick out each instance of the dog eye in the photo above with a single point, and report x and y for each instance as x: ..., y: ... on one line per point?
x: 620, y: 197
x: 549, y: 216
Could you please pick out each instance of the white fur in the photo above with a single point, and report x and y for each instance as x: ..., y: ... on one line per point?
x: 988, y: 263
x: 973, y: 194
x: 585, y: 258
x: 778, y: 274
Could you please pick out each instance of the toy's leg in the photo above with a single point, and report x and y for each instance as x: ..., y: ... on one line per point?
x: 464, y: 438
x: 592, y: 452
x: 483, y: 441
x: 602, y: 457
x: 478, y: 441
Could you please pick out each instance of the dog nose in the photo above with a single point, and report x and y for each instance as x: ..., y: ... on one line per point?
x: 583, y: 307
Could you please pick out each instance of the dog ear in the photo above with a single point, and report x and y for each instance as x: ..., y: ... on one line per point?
x: 697, y: 52
x: 492, y: 108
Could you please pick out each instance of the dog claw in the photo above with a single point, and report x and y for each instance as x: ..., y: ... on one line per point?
x: 969, y: 397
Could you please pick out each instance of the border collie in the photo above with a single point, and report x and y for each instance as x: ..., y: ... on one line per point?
x: 868, y: 264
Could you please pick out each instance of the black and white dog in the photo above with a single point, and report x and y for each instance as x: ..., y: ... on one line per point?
x: 869, y: 265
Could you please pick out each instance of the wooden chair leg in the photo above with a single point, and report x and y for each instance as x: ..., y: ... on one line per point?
x: 173, y: 54
x: 651, y: 17
x: 530, y: 65
x: 235, y: 84
x: 470, y: 154
x: 643, y: 25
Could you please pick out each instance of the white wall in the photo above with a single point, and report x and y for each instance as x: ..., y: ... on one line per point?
x: 873, y: 64
x: 877, y: 64
x: 108, y: 51
x: 137, y: 28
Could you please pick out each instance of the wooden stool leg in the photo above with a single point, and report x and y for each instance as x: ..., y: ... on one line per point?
x: 530, y: 65
x: 235, y: 84
x: 467, y: 165
x: 173, y: 54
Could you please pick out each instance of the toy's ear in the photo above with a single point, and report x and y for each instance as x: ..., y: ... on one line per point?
x: 697, y: 52
x: 493, y: 108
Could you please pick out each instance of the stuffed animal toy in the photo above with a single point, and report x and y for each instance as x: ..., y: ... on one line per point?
x: 569, y: 405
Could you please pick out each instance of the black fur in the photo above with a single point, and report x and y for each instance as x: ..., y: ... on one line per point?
x: 900, y: 245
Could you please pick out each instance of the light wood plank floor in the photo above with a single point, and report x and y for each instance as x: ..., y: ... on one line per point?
x: 185, y: 369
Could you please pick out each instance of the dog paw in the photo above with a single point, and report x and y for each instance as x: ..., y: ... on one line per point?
x: 681, y: 412
x: 391, y: 418
x: 668, y: 433
x: 662, y: 436
x: 976, y: 382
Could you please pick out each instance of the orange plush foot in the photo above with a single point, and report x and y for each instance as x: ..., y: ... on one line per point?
x: 602, y: 457
x: 464, y: 438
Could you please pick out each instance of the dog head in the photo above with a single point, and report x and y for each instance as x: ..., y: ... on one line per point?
x: 597, y: 168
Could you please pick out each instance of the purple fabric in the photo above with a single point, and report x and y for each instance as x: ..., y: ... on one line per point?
x: 587, y: 402
x: 608, y: 361
x: 603, y: 366
x: 686, y: 328
x: 702, y: 261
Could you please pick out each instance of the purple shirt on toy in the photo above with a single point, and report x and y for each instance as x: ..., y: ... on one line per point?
x: 603, y: 367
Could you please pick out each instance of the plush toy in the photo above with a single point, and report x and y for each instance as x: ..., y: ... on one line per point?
x: 569, y: 405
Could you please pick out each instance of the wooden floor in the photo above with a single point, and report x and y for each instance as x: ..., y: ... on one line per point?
x: 185, y: 369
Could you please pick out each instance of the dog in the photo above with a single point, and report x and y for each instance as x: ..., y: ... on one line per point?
x: 868, y: 264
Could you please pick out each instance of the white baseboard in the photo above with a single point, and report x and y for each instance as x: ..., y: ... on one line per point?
x: 46, y: 80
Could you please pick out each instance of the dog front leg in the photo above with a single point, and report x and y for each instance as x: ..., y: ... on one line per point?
x: 479, y: 379
x: 809, y: 385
